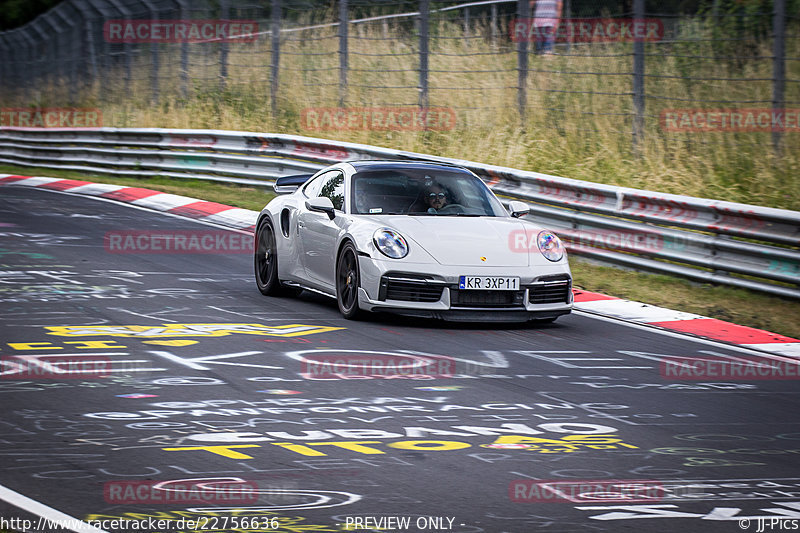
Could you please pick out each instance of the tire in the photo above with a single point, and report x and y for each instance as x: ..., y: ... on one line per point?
x: 347, y: 282
x: 265, y: 261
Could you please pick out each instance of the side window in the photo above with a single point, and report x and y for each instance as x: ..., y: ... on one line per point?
x: 334, y: 189
x: 311, y: 189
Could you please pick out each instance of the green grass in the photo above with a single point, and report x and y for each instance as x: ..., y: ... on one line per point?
x: 725, y: 303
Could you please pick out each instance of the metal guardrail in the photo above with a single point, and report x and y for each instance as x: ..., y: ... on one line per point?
x: 705, y: 240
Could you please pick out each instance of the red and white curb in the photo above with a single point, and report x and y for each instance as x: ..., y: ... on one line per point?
x: 244, y: 219
x: 679, y: 321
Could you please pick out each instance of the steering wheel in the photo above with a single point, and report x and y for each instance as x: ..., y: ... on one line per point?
x: 452, y: 208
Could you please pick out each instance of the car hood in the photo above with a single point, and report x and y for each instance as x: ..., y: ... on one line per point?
x: 468, y: 241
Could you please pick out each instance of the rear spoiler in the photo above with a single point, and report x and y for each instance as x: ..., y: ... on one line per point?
x: 289, y: 184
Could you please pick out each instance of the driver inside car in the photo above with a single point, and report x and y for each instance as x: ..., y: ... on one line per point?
x: 436, y: 197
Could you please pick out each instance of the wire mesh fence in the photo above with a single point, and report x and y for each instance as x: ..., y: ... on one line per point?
x: 626, y: 70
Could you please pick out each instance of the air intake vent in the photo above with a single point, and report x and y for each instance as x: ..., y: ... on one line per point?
x: 408, y: 289
x: 551, y: 290
x: 494, y: 299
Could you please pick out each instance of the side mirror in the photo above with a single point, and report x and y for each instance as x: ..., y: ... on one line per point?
x: 518, y: 209
x: 322, y: 204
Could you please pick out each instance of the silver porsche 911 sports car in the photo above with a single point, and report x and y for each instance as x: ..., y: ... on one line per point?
x: 416, y: 238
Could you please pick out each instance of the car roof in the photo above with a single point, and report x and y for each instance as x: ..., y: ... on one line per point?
x: 403, y: 165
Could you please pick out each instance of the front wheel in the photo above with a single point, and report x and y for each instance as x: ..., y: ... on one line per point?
x: 347, y: 282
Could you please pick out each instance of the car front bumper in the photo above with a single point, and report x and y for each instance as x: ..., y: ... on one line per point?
x: 413, y: 289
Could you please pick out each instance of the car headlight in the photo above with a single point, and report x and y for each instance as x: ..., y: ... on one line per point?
x: 390, y: 243
x: 550, y: 245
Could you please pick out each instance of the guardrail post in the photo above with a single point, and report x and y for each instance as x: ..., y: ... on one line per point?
x: 223, y: 46
x: 343, y: 22
x: 424, y: 23
x: 276, y: 56
x: 638, y: 83
x: 524, y: 15
x: 778, y: 67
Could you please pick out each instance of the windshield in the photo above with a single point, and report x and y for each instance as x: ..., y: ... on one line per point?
x: 423, y: 192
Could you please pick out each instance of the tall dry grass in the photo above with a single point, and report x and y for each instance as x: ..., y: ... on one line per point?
x: 578, y: 123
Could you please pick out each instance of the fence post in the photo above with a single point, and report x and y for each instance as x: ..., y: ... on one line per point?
x: 75, y: 52
x: 183, y: 14
x: 343, y: 27
x: 223, y: 46
x: 276, y: 56
x: 53, y: 38
x: 778, y: 67
x: 15, y: 60
x: 638, y: 82
x: 424, y: 22
x: 31, y: 74
x: 154, y: 53
x: 5, y: 66
x: 103, y: 48
x: 38, y: 43
x: 523, y: 15
x: 88, y: 68
x: 494, y: 24
x: 126, y: 47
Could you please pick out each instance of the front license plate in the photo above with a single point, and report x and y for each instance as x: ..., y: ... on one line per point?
x: 490, y: 283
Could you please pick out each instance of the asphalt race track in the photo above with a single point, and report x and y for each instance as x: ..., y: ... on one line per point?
x: 164, y: 386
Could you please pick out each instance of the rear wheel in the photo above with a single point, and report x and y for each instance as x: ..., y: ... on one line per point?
x: 347, y: 282
x: 266, y: 263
